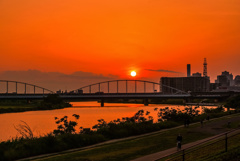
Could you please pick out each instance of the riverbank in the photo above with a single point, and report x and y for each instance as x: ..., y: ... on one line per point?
x: 203, y: 104
x: 134, y: 147
x: 42, y: 122
x: 135, y: 125
x: 50, y: 102
x: 195, y: 102
x: 27, y: 107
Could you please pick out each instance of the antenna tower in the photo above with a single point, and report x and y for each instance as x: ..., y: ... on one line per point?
x: 205, y: 67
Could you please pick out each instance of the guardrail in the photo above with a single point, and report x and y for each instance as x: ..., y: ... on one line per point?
x: 219, y: 144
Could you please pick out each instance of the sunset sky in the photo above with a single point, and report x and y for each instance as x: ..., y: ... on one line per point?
x: 110, y: 38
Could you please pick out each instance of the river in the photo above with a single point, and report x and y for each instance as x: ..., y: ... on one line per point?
x: 43, y: 122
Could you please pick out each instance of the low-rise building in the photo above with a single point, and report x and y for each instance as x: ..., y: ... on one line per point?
x: 187, y: 84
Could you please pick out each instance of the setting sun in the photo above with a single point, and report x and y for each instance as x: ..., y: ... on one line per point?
x: 133, y: 73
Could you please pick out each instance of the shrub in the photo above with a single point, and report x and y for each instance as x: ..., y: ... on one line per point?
x: 214, y: 110
x: 65, y: 126
x: 233, y: 102
x: 53, y: 101
x: 177, y: 115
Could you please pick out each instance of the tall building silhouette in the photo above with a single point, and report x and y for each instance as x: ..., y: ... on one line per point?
x: 188, y: 70
x: 205, y: 68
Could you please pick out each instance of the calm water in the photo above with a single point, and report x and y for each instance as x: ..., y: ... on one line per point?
x: 42, y: 122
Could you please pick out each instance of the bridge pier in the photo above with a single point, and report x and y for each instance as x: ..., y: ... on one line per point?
x: 102, y: 102
x: 145, y: 101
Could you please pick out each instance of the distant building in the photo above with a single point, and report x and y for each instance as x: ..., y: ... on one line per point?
x: 225, y: 82
x: 234, y: 88
x: 205, y: 67
x: 229, y: 76
x: 193, y: 84
x: 225, y: 79
x: 80, y: 91
x: 237, y: 80
x: 59, y: 91
x: 214, y: 86
x: 196, y: 74
x: 188, y: 70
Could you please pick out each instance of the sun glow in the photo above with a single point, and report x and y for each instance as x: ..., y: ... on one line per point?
x: 133, y: 73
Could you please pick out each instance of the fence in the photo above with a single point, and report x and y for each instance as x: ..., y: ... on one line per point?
x: 219, y: 144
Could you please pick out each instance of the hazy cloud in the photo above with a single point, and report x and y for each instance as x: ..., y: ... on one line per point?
x: 56, y: 80
x: 162, y: 70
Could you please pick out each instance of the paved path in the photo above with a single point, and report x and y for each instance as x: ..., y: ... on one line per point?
x: 162, y: 154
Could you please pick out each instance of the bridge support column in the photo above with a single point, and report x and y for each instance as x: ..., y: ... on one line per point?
x: 145, y: 101
x: 102, y: 102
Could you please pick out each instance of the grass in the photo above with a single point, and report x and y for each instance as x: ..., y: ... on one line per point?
x: 35, y: 106
x: 214, y: 149
x: 134, y: 148
x: 127, y: 150
x: 232, y: 155
x: 16, y: 107
x: 209, y: 150
x: 50, y: 102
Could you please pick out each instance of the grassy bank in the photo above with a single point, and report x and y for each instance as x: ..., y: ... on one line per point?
x: 233, y: 154
x: 9, y: 106
x: 48, y: 103
x: 25, y: 147
x: 27, y: 107
x: 20, y: 148
x: 134, y: 148
x: 210, y: 149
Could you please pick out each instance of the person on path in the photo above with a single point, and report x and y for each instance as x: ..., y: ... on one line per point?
x: 188, y: 122
x: 201, y: 122
x: 185, y: 123
x: 208, y: 118
x: 179, y: 142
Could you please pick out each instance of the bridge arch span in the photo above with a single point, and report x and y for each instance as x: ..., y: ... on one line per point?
x: 126, y: 86
x: 35, y: 87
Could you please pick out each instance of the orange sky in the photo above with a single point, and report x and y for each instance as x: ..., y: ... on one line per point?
x: 117, y: 36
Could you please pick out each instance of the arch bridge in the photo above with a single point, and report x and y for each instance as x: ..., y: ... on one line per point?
x: 16, y: 87
x: 123, y: 86
x: 113, y: 89
x: 125, y: 89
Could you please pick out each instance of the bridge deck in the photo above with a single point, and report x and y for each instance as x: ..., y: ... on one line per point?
x: 109, y: 95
